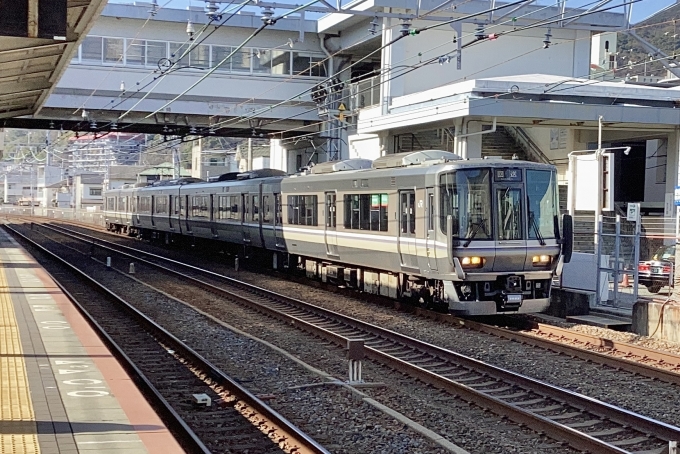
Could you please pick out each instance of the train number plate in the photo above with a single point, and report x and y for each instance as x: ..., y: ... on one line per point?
x: 514, y: 298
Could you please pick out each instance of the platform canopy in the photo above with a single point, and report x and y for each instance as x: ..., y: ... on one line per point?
x: 37, y: 41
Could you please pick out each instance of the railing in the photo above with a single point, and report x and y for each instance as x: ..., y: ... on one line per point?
x: 365, y: 93
x: 528, y: 145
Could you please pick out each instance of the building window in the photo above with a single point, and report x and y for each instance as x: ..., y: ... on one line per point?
x: 302, y: 209
x: 92, y: 49
x: 96, y: 191
x: 366, y: 212
x: 135, y: 53
x: 155, y: 51
x: 113, y: 50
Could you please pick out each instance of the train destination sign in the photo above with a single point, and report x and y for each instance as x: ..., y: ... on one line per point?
x: 510, y: 175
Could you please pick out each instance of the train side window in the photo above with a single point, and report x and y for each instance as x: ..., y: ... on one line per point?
x: 366, y: 212
x: 110, y: 204
x: 430, y: 212
x: 278, y: 209
x: 161, y: 204
x: 199, y: 207
x: 302, y: 209
x: 256, y: 208
x: 183, y: 205
x: 266, y: 210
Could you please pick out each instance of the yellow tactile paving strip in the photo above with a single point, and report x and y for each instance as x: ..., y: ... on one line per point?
x: 18, y: 430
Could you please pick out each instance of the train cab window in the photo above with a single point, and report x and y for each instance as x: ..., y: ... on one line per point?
x: 255, y: 212
x: 199, y: 207
x: 366, y: 212
x: 302, y: 210
x: 266, y: 210
x: 465, y: 195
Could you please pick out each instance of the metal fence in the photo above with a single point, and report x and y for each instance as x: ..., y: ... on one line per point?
x: 71, y: 214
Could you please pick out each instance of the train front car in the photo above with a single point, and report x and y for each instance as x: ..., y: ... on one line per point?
x: 501, y: 222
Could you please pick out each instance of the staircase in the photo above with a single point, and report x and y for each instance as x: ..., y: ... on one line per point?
x: 421, y: 140
x: 501, y: 144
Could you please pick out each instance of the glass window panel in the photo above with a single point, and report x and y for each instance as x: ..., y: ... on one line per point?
x: 465, y: 196
x: 301, y: 64
x: 318, y: 68
x: 542, y: 203
x: 219, y: 53
x: 241, y: 60
x: 92, y: 49
x: 155, y: 50
x: 136, y: 52
x: 113, y: 50
x: 280, y: 61
x: 200, y: 56
x: 176, y: 51
x: 261, y: 61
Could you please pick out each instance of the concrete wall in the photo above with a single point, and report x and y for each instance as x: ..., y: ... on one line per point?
x: 657, y: 320
x: 509, y: 55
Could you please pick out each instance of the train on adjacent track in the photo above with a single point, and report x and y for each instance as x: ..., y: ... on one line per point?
x: 478, y: 237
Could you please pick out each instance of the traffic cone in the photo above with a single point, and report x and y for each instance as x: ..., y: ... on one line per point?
x: 624, y: 282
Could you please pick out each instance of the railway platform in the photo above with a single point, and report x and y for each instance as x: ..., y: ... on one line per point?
x: 61, y: 390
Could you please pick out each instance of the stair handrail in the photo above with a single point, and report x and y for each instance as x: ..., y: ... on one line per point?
x: 529, y: 146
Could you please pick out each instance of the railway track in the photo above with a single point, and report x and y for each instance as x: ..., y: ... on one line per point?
x: 582, y: 422
x: 639, y: 360
x: 206, y: 410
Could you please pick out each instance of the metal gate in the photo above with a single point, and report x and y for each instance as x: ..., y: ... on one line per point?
x: 618, y: 256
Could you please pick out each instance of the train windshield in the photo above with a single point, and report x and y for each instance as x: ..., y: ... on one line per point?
x: 523, y: 208
x: 542, y: 204
x: 466, y: 197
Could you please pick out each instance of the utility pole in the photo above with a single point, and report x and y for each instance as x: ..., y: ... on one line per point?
x: 250, y: 155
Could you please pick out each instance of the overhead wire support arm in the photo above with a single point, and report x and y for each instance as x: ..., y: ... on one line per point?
x: 592, y: 8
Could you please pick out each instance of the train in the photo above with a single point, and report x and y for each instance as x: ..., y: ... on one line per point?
x: 471, y: 236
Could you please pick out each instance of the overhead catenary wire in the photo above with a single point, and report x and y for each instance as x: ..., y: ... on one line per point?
x: 543, y: 23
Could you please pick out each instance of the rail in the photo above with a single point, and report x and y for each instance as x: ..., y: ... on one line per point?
x: 531, y: 402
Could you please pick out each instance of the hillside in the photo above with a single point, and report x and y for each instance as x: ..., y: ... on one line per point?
x: 662, y: 31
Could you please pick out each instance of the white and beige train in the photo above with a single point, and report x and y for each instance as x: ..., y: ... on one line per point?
x: 478, y: 236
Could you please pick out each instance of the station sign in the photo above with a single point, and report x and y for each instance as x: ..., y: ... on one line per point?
x: 677, y: 196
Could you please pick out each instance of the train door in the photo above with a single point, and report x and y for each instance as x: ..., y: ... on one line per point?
x: 278, y: 220
x: 184, y: 212
x: 509, y: 208
x: 430, y: 237
x: 153, y: 211
x: 213, y: 209
x: 245, y: 217
x: 171, y: 212
x: 331, y: 234
x: 407, y: 229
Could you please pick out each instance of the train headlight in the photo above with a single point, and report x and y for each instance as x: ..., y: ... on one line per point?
x: 540, y: 260
x: 472, y: 262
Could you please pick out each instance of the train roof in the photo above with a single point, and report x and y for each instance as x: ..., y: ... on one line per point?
x: 408, y: 163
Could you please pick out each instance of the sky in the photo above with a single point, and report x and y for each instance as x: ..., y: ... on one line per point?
x: 641, y: 9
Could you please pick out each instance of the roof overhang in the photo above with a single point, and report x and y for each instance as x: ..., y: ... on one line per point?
x: 31, y: 67
x: 532, y: 100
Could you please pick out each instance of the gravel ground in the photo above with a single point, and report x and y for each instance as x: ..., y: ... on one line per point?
x: 653, y: 399
x: 341, y: 418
